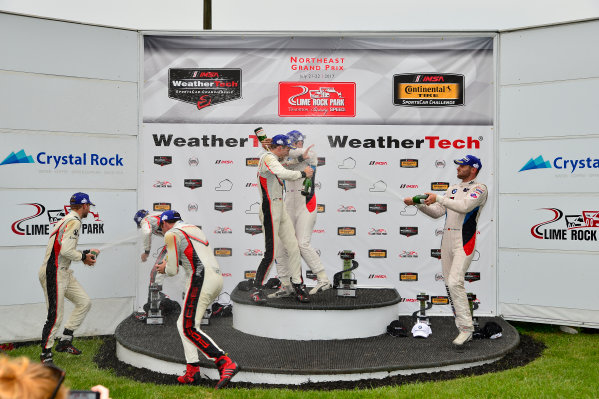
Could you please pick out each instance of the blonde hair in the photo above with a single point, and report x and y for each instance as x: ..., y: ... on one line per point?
x: 22, y: 379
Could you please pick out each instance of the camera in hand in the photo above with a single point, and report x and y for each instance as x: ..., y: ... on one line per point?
x: 83, y: 395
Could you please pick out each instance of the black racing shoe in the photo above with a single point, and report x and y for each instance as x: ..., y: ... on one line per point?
x: 257, y: 295
x: 46, y: 358
x: 300, y: 294
x: 67, y: 346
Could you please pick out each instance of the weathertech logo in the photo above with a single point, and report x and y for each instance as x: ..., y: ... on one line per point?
x: 440, y: 300
x: 408, y: 163
x: 193, y: 183
x: 439, y: 186
x: 321, y: 161
x: 253, y: 229
x: 161, y: 206
x: 472, y: 276
x: 428, y: 90
x: 408, y: 231
x: 252, y: 161
x: 377, y: 253
x: 377, y: 208
x: 223, y: 206
x: 204, y: 87
x: 223, y: 252
x: 317, y: 99
x: 346, y: 184
x: 436, y: 253
x: 346, y: 231
x: 408, y: 276
x: 163, y: 160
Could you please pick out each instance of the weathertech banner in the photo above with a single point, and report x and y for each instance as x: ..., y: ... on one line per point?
x: 386, y: 117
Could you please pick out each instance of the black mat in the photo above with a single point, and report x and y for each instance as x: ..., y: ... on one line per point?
x: 327, y: 300
x: 267, y: 355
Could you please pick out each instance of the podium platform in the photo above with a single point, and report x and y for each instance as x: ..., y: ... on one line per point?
x: 293, y: 361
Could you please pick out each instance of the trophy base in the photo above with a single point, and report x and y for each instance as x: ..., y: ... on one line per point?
x: 347, y: 288
x: 346, y: 292
x: 154, y: 318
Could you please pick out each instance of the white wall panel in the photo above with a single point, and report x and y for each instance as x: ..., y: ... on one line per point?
x: 573, y: 166
x: 548, y: 54
x: 113, y: 276
x: 52, y: 103
x: 564, y: 281
x: 68, y: 160
x: 59, y: 48
x: 564, y: 108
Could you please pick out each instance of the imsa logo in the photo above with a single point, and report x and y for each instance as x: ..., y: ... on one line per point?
x: 346, y: 184
x: 223, y: 252
x: 439, y: 185
x: 377, y: 253
x: 163, y: 160
x: 440, y: 300
x: 377, y: 208
x: 346, y: 231
x: 408, y: 276
x: 192, y: 183
x: 252, y: 162
x: 161, y: 206
x: 223, y: 206
x: 408, y: 163
x: 377, y: 276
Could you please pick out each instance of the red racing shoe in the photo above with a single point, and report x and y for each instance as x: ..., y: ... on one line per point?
x: 67, y: 346
x: 192, y: 374
x: 227, y: 369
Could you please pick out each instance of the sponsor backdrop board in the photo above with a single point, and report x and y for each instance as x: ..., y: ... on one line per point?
x: 48, y: 160
x: 384, y: 124
x: 549, y: 166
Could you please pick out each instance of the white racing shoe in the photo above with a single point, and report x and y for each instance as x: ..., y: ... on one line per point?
x: 322, y: 285
x: 462, y: 338
x: 283, y: 292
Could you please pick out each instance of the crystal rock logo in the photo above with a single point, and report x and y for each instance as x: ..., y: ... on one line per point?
x: 561, y: 163
x: 19, y: 157
x: 44, y: 158
x: 536, y: 163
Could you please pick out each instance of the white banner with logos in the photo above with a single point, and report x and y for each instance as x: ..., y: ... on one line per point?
x: 382, y: 130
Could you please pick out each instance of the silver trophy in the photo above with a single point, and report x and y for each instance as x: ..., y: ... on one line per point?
x: 154, y: 296
x: 344, y: 281
x: 425, y: 305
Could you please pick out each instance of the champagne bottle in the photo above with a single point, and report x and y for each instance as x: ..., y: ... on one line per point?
x: 259, y: 132
x: 307, y: 185
x: 419, y: 199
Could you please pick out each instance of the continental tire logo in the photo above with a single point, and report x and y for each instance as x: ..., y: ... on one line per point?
x: 223, y: 252
x: 439, y: 185
x: 408, y: 163
x: 320, y: 208
x: 377, y: 253
x: 408, y: 277
x: 252, y: 161
x: 248, y: 274
x: 440, y: 300
x: 161, y: 206
x: 428, y: 90
x: 346, y: 231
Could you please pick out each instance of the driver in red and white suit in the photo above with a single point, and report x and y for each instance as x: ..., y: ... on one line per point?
x: 302, y: 212
x: 462, y: 204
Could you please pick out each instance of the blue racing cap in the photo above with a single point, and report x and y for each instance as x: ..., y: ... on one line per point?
x: 80, y: 198
x: 139, y: 216
x: 295, y: 136
x: 170, y: 216
x: 470, y: 160
x: 281, y: 139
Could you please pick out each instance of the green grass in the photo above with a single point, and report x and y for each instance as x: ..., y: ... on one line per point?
x: 568, y: 368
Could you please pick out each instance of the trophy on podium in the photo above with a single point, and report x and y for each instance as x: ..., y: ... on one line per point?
x: 424, y: 306
x: 473, y: 306
x: 344, y: 281
x: 154, y: 296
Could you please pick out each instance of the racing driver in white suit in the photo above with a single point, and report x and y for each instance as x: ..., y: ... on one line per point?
x: 302, y: 211
x: 462, y: 204
x: 276, y: 224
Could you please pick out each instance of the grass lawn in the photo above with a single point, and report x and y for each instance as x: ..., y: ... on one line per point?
x: 568, y: 368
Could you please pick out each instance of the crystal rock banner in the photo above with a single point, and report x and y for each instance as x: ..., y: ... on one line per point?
x: 387, y: 117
